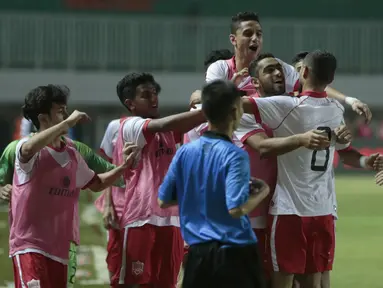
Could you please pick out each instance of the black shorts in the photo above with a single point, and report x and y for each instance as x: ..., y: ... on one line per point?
x: 213, y: 265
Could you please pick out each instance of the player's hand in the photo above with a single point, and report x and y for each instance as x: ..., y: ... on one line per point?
x: 343, y: 134
x: 375, y: 161
x: 379, y: 178
x: 256, y: 185
x: 239, y: 76
x: 195, y: 99
x: 109, y: 218
x: 130, y: 152
x: 362, y: 109
x: 315, y: 140
x: 6, y: 192
x: 76, y: 117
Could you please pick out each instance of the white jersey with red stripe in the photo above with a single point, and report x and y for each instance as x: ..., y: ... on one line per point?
x: 305, y: 184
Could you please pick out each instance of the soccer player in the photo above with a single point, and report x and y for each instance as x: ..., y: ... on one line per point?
x: 152, y: 248
x: 247, y: 39
x: 94, y: 162
x: 209, y: 179
x: 267, y: 75
x: 45, y: 189
x: 302, y: 205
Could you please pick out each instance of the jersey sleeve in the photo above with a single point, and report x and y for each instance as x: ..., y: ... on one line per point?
x: 135, y: 131
x: 25, y: 168
x: 291, y: 77
x: 248, y: 127
x: 107, y: 143
x: 7, y: 163
x: 217, y: 70
x: 273, y: 110
x: 237, y: 179
x: 84, y: 175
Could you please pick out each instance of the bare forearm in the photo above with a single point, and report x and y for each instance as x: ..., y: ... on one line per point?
x: 335, y: 94
x: 351, y: 157
x: 275, y: 146
x: 252, y: 203
x: 108, y: 197
x: 107, y: 179
x: 42, y: 139
x: 182, y: 122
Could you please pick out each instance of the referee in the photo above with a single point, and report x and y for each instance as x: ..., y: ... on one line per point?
x: 209, y: 179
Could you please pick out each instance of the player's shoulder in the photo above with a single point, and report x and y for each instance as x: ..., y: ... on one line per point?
x: 336, y: 103
x: 217, y: 70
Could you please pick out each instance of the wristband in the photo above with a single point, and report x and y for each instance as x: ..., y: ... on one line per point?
x: 362, y: 161
x: 350, y: 100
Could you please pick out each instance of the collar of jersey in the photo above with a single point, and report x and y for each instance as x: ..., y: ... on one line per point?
x: 314, y: 94
x: 216, y: 135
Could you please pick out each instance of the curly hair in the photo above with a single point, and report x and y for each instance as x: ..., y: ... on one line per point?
x: 40, y: 101
x: 126, y: 87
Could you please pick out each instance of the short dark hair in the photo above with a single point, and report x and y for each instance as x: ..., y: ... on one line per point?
x: 218, y: 98
x: 323, y: 65
x: 299, y: 57
x: 253, y: 68
x: 242, y: 17
x: 216, y: 55
x: 126, y: 87
x: 40, y: 101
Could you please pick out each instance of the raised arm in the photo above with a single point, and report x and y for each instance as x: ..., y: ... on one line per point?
x: 44, y: 138
x: 182, y: 122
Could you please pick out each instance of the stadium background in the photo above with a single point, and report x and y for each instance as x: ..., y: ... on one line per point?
x: 90, y: 44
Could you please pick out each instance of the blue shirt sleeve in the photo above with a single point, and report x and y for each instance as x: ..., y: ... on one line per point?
x: 237, y: 179
x: 168, y: 192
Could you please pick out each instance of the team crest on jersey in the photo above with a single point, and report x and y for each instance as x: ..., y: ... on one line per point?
x: 33, y: 284
x: 137, y: 268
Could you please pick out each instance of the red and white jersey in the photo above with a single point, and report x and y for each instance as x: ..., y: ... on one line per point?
x: 222, y: 70
x: 305, y: 184
x: 262, y: 168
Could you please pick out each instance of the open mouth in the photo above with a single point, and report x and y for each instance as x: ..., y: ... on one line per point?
x: 253, y: 47
x: 281, y: 82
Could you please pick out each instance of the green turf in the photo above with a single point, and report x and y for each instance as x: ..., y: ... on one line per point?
x: 359, y: 251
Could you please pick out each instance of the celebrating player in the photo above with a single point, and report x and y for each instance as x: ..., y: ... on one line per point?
x: 152, y: 247
x: 95, y: 162
x: 48, y: 175
x: 302, y: 205
x: 247, y: 39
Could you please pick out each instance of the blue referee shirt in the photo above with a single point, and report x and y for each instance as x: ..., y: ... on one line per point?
x: 207, y: 178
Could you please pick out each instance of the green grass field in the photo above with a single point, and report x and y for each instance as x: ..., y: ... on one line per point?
x: 359, y: 251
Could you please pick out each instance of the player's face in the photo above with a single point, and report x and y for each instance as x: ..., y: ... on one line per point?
x: 237, y: 113
x: 298, y: 66
x: 248, y: 39
x: 57, y: 114
x: 145, y: 103
x: 271, y: 79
